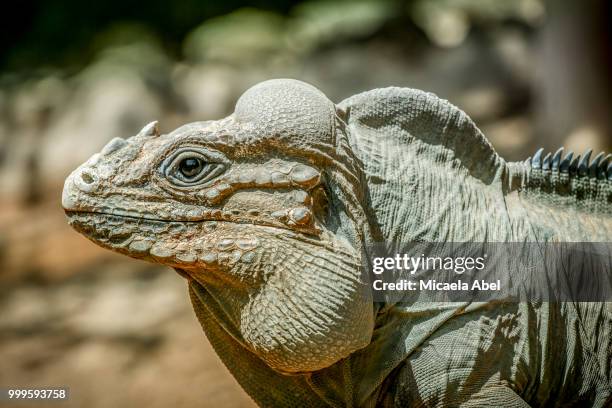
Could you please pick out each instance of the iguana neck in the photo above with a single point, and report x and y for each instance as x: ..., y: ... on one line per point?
x: 413, y: 197
x: 301, y: 306
x: 430, y: 174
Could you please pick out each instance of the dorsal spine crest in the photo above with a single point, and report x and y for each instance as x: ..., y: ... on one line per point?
x: 570, y: 175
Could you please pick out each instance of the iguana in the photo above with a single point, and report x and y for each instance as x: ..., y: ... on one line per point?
x: 268, y: 214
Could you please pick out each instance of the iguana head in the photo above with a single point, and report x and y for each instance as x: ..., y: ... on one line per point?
x: 261, y: 208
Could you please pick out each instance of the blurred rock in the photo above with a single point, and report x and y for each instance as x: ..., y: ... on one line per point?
x: 208, y: 91
x: 510, y: 136
x: 483, y: 103
x: 111, y: 103
x: 129, y: 309
x: 25, y: 120
x: 586, y: 137
x: 134, y: 333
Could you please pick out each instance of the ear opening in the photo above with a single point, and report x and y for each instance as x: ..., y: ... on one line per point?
x: 320, y: 203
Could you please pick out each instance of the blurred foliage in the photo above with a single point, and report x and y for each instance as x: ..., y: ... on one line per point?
x: 128, y: 49
x: 320, y: 22
x: 42, y: 33
x: 250, y: 35
x: 71, y: 33
x: 447, y: 22
x: 245, y: 34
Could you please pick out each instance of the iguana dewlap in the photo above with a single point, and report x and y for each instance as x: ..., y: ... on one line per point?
x: 268, y: 214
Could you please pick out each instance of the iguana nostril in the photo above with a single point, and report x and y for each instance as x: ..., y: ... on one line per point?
x: 84, y: 179
x: 87, y: 178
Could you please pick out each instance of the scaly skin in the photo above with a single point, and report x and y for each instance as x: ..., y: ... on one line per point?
x: 269, y: 212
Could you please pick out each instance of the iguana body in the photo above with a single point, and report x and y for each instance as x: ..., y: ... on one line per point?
x: 268, y: 214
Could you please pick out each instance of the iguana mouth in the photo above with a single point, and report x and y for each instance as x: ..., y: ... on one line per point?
x: 139, y: 219
x: 133, y: 216
x: 182, y: 244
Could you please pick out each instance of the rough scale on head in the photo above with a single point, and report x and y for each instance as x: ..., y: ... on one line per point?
x: 260, y: 211
x: 289, y: 114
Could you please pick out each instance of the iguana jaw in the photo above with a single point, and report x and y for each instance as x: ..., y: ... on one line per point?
x: 164, y: 241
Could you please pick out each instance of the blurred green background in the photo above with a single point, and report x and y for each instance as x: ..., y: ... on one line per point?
x: 75, y: 74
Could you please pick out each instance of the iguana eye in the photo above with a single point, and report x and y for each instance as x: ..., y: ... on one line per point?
x: 189, y: 167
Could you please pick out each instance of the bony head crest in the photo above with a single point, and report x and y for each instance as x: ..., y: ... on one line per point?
x: 292, y: 112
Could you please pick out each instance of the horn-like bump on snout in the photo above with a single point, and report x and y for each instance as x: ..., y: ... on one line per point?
x: 112, y: 146
x: 150, y: 130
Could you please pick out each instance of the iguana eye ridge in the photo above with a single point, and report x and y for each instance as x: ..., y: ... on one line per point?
x: 189, y: 167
